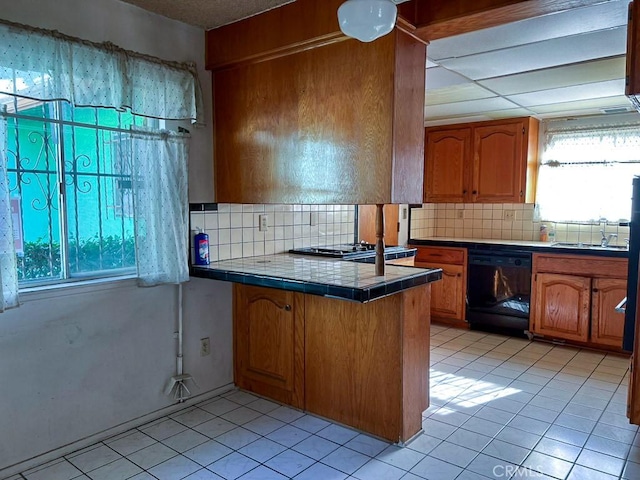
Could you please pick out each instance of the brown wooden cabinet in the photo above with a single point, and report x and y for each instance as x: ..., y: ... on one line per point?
x: 574, y: 298
x: 361, y: 364
x: 367, y: 224
x: 448, y: 296
x: 561, y: 308
x: 447, y: 162
x: 309, y: 124
x: 485, y: 162
x: 269, y: 342
x: 607, y: 325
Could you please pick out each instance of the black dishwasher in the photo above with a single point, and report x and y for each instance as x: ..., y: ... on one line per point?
x: 499, y: 290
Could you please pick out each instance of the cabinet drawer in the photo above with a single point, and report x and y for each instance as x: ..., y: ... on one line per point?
x: 585, y: 265
x: 454, y: 256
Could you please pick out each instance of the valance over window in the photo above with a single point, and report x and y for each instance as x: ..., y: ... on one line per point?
x: 47, y: 65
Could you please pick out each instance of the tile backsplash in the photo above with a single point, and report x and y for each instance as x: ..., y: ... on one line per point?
x: 234, y: 232
x: 503, y: 221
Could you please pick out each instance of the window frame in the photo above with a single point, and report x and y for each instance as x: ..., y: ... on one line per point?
x: 62, y: 189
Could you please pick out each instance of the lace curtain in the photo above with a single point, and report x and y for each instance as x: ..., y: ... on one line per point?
x: 8, y: 267
x: 47, y: 65
x: 586, y: 173
x: 159, y: 170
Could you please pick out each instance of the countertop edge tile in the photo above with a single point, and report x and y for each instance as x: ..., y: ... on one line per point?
x: 334, y: 278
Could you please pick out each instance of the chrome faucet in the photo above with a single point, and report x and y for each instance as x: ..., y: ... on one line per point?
x: 606, y: 241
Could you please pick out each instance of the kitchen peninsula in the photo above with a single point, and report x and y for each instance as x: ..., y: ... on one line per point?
x: 330, y: 337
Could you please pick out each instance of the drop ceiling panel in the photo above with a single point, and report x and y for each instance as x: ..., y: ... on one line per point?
x: 587, y: 91
x: 208, y: 13
x: 469, y: 108
x: 576, y: 21
x: 440, y: 77
x: 550, y: 53
x: 595, y: 104
x: 557, y: 77
x: 457, y: 93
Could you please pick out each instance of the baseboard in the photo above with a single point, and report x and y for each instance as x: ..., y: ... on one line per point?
x: 7, y: 472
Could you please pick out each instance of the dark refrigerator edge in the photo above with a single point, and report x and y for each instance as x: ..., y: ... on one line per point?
x: 632, y: 277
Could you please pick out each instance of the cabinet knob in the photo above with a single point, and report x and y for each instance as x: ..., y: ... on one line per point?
x: 475, y: 192
x: 287, y: 307
x: 521, y: 193
x: 595, y: 290
x: 464, y: 192
x: 459, y: 275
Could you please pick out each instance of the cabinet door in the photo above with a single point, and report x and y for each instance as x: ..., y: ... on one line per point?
x: 561, y: 306
x: 607, y: 325
x: 499, y: 165
x: 367, y: 224
x: 447, y: 295
x: 447, y: 156
x: 268, y: 332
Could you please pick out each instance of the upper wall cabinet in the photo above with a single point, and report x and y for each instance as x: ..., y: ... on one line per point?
x: 324, y: 121
x: 487, y: 162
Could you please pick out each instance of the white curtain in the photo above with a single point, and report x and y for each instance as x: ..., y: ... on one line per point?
x: 586, y: 174
x: 8, y: 267
x: 159, y: 172
x: 46, y: 65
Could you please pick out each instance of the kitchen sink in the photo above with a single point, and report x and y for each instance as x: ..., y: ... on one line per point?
x: 588, y: 245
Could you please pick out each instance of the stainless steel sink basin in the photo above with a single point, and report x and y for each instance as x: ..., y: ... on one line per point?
x: 588, y: 245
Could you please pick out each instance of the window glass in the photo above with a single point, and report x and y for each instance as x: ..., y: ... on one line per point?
x: 70, y: 180
x: 586, y: 174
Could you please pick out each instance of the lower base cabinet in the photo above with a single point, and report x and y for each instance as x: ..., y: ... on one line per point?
x: 269, y: 342
x: 448, y: 296
x: 561, y: 307
x: 574, y: 298
x: 362, y: 364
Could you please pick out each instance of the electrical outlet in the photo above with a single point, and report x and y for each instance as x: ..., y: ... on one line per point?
x: 313, y: 219
x: 263, y: 222
x: 405, y: 213
x: 508, y: 215
x: 205, y: 346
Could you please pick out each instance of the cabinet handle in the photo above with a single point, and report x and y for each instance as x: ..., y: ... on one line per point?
x: 287, y: 307
x: 475, y: 192
x: 464, y: 192
x: 521, y: 193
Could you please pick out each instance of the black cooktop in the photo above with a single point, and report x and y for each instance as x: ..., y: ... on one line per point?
x: 347, y: 250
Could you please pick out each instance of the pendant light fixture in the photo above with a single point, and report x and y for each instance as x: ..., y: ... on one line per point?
x: 367, y: 20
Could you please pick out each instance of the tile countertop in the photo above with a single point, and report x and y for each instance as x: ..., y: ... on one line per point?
x: 334, y: 278
x: 528, y: 245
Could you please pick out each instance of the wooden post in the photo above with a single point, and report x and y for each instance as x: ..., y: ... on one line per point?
x: 379, y: 240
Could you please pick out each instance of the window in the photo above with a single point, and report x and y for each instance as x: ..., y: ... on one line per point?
x: 586, y: 173
x: 69, y: 172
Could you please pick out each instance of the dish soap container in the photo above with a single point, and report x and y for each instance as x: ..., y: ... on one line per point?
x: 201, y: 245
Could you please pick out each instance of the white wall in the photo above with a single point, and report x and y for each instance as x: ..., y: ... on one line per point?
x: 77, y: 361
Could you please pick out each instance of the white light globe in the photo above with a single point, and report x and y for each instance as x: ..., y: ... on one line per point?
x: 367, y: 20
